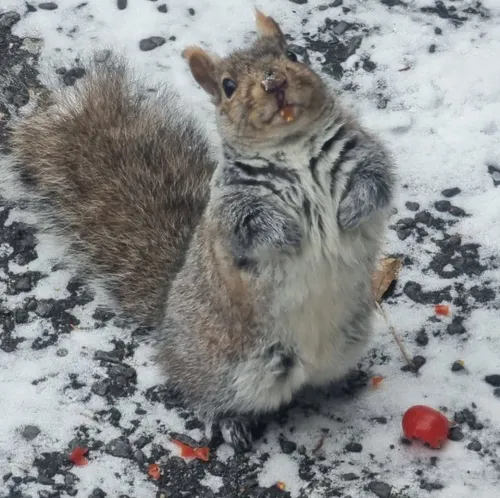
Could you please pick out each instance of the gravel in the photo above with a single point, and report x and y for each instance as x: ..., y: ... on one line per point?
x: 151, y: 43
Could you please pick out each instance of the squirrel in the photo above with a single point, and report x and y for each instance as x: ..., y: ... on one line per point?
x: 254, y: 267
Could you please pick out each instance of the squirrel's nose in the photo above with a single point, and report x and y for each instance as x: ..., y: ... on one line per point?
x: 273, y: 81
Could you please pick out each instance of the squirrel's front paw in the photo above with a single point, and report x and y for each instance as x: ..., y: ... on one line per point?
x: 351, y: 212
x: 264, y: 229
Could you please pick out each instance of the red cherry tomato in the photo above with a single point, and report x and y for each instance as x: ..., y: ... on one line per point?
x: 426, y: 424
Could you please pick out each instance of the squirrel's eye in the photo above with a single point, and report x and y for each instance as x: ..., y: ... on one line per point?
x: 292, y: 56
x: 229, y: 87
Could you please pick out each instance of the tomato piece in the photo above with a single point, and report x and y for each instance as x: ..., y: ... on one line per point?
x: 77, y: 456
x: 288, y: 113
x: 426, y: 424
x: 442, y: 309
x: 154, y: 471
x: 201, y: 453
x: 281, y: 485
x: 377, y: 380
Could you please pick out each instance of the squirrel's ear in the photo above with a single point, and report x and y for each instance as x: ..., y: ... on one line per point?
x: 267, y: 26
x: 203, y: 69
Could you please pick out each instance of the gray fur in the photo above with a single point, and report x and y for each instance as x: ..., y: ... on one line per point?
x: 257, y: 289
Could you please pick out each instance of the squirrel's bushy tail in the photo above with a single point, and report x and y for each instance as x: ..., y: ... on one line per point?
x: 124, y: 174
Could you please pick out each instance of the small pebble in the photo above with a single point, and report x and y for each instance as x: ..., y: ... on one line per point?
x: 30, y: 432
x: 442, y: 206
x: 381, y: 489
x: 450, y: 192
x: 456, y: 211
x: 353, y: 447
x: 62, y: 352
x: 455, y: 434
x: 287, y: 447
x: 121, y: 4
x: 341, y: 28
x: 455, y: 329
x: 475, y: 445
x: 432, y: 48
x: 438, y: 31
x: 151, y: 43
x: 191, y: 11
x: 493, y: 380
x: 422, y: 338
x: 457, y: 366
x: 412, y: 206
x: 9, y: 19
x: 163, y: 8
x: 496, y: 392
x: 47, y: 6
x: 61, y: 71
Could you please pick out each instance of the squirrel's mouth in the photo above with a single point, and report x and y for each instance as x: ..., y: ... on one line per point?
x: 286, y: 110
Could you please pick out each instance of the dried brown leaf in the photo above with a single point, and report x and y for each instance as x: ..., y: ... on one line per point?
x: 387, y: 272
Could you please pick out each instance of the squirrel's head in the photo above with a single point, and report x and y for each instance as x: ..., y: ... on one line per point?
x: 263, y: 93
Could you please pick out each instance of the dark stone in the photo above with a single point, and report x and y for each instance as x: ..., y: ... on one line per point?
x: 120, y: 448
x: 432, y: 48
x: 422, y: 338
x: 419, y: 361
x: 8, y: 19
x: 450, y: 192
x: 380, y: 420
x: 482, y: 294
x: 414, y: 291
x: 442, y: 206
x: 287, y: 447
x: 412, y: 206
x: 30, y: 432
x: 468, y: 417
x: 381, y: 489
x: 493, y: 380
x: 121, y: 4
x: 496, y: 392
x: 423, y: 217
x: 140, y: 456
x: 45, y: 308
x: 98, y: 493
x: 21, y: 316
x: 455, y: 434
x: 47, y: 6
x: 142, y: 441
x: 353, y: 44
x: 163, y: 8
x: 439, y: 31
x: 100, y: 388
x: 430, y: 486
x: 456, y: 211
x: 475, y: 445
x: 403, y: 233
x: 369, y: 65
x: 341, y: 27
x: 353, y: 447
x: 109, y: 356
x: 22, y: 283
x: 70, y: 77
x: 391, y: 3
x: 456, y: 328
x: 349, y: 477
x: 103, y: 314
x: 191, y: 11
x: 151, y: 43
x: 457, y: 366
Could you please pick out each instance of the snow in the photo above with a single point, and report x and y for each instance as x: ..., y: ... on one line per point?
x: 441, y: 123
